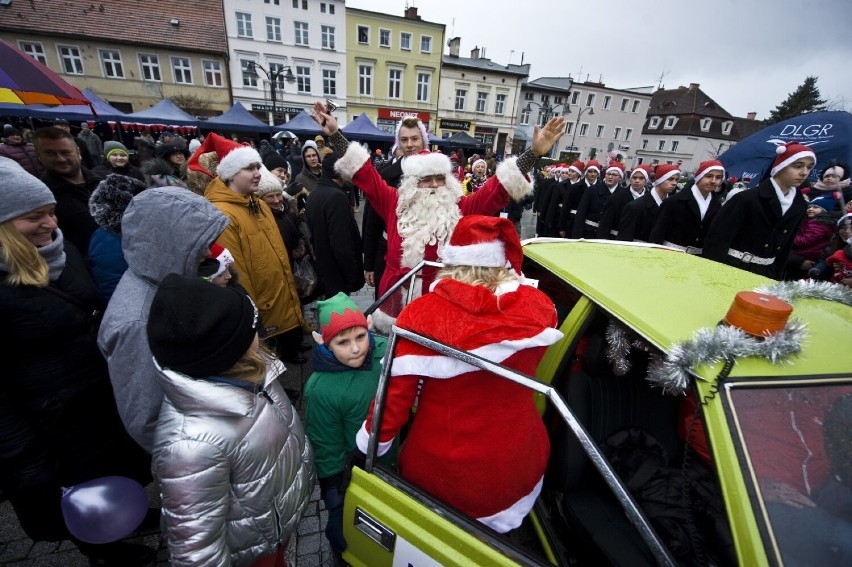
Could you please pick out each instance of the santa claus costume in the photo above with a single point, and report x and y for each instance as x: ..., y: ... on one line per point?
x: 477, y: 441
x: 419, y: 221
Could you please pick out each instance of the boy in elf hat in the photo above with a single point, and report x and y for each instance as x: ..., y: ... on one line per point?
x: 347, y: 364
x: 755, y: 229
x: 477, y: 441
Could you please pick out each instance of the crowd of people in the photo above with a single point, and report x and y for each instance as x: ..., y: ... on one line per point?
x: 151, y: 299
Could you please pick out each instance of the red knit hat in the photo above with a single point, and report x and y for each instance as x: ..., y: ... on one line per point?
x: 578, y: 167
x: 489, y: 242
x: 644, y: 170
x: 593, y: 164
x: 706, y: 167
x: 788, y: 153
x: 232, y: 156
x: 616, y: 166
x: 221, y: 255
x: 664, y: 171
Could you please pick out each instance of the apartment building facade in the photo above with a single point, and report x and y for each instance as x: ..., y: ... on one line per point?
x: 285, y: 54
x: 131, y: 55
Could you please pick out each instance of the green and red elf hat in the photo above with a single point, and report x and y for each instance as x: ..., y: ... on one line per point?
x: 338, y: 313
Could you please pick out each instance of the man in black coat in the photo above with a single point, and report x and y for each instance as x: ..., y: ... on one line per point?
x: 571, y: 175
x: 336, y: 240
x: 756, y: 228
x: 591, y: 205
x: 70, y: 182
x: 545, y: 189
x: 588, y: 177
x: 611, y: 215
x: 686, y: 216
x: 639, y: 216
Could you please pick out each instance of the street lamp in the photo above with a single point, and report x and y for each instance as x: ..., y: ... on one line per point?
x: 272, y: 77
x: 547, y: 111
x: 590, y: 111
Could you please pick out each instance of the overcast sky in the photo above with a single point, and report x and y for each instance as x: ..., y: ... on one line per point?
x: 747, y: 55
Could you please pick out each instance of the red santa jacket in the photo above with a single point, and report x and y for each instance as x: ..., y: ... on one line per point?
x: 477, y: 441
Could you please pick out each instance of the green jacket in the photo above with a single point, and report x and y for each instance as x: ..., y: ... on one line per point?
x: 336, y: 405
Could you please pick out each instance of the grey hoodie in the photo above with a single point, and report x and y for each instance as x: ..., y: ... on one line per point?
x: 164, y: 230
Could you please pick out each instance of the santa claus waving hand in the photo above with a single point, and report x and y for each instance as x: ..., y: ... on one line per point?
x: 421, y: 215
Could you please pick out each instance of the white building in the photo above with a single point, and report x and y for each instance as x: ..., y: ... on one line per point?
x: 272, y: 42
x: 479, y: 97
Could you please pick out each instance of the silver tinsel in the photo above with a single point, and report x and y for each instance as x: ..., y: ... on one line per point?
x: 619, y: 341
x: 709, y: 346
x: 808, y: 289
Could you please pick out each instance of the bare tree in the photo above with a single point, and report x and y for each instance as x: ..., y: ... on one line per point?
x: 194, y: 104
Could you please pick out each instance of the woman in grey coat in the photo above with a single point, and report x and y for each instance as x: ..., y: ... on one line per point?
x: 235, y: 468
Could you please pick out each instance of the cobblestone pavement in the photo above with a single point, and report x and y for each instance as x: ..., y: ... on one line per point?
x: 307, y: 547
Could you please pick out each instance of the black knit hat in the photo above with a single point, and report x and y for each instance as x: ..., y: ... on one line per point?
x: 199, y: 329
x: 274, y: 160
x: 328, y: 166
x: 111, y: 197
x: 169, y: 148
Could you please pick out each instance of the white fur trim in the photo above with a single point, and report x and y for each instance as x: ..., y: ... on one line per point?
x: 617, y: 169
x: 485, y: 254
x: 362, y: 438
x: 701, y: 174
x: 421, y: 165
x: 237, y: 159
x: 516, y: 184
x: 574, y: 168
x: 353, y: 160
x: 642, y: 171
x: 424, y: 134
x: 439, y: 366
x: 514, y: 515
x: 668, y: 175
x: 596, y: 168
x: 791, y: 159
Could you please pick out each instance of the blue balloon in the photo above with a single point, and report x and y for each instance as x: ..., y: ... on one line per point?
x: 105, y: 509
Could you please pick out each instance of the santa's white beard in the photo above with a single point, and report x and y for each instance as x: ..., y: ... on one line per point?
x: 426, y: 216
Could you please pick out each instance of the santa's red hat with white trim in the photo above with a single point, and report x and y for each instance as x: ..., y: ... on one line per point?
x: 578, y: 166
x: 232, y: 156
x: 664, y: 172
x: 644, y: 170
x: 223, y: 259
x: 488, y: 242
x: 617, y: 167
x: 593, y: 164
x: 707, y: 166
x: 426, y: 163
x: 788, y: 153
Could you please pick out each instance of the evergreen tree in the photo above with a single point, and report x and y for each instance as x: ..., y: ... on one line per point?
x: 804, y: 99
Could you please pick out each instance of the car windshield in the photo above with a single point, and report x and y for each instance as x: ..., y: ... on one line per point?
x: 795, y: 439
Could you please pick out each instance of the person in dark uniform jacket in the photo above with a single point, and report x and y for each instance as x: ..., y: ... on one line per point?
x: 545, y: 190
x: 639, y: 216
x: 611, y: 215
x: 685, y: 217
x: 589, y: 176
x: 571, y: 175
x: 755, y: 229
x: 594, y: 199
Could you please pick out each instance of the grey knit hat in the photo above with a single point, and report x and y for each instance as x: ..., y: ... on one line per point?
x: 111, y: 197
x: 111, y: 146
x: 22, y: 192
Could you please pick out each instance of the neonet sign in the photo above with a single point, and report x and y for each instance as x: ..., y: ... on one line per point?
x: 400, y: 113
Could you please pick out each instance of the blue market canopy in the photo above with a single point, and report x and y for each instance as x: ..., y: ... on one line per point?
x: 363, y: 129
x: 828, y: 133
x: 236, y: 118
x: 164, y: 113
x: 463, y: 140
x: 105, y: 111
x: 302, y: 125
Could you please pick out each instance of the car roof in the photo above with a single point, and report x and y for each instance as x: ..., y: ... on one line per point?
x: 666, y: 295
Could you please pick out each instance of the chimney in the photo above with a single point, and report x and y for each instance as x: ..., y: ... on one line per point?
x: 411, y: 13
x: 474, y: 53
x: 693, y: 86
x: 455, y: 44
x: 751, y: 115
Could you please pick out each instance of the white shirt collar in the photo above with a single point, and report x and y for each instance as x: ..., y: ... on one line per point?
x: 656, y: 197
x: 703, y: 202
x: 785, y: 200
x: 635, y: 194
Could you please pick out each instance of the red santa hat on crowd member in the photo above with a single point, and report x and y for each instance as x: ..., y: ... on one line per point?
x: 707, y: 166
x: 221, y: 255
x: 578, y: 167
x: 616, y: 166
x: 426, y: 163
x: 644, y: 170
x: 423, y: 132
x: 488, y: 242
x: 480, y: 160
x: 593, y: 164
x: 788, y: 153
x: 664, y: 172
x: 232, y: 156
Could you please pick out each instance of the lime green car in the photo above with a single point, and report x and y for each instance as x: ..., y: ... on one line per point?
x: 743, y: 463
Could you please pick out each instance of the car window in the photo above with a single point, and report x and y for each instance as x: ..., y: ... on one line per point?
x: 795, y: 440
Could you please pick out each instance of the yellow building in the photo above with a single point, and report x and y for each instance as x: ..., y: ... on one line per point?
x: 394, y: 67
